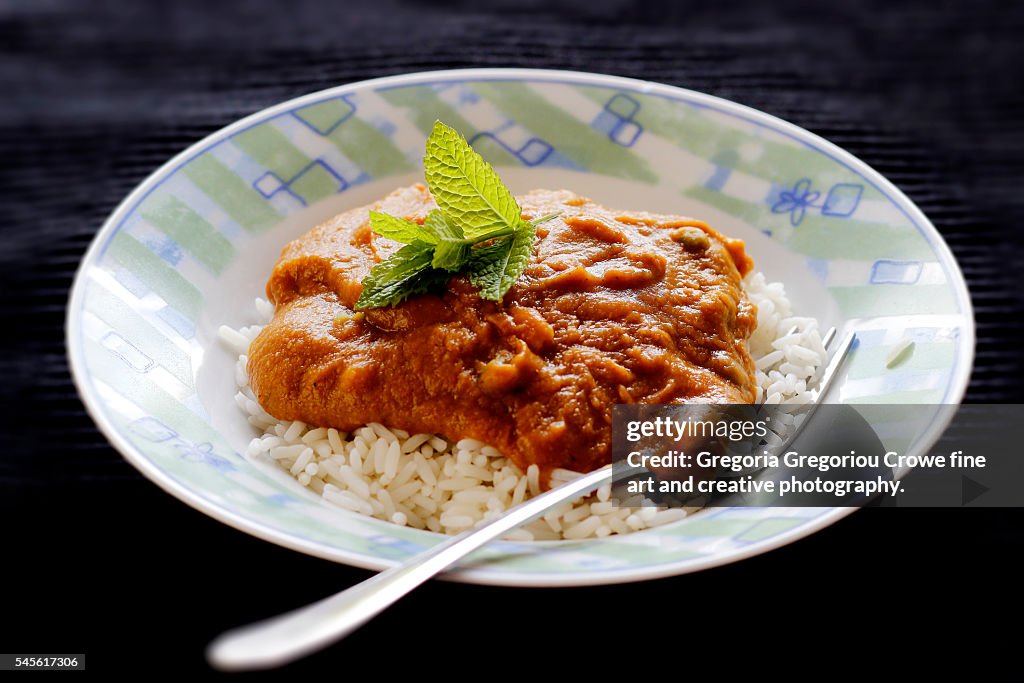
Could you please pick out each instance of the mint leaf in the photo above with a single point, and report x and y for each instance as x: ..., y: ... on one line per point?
x: 404, y: 273
x: 486, y: 265
x: 399, y: 229
x: 450, y: 254
x: 475, y: 209
x: 440, y: 226
x: 494, y: 268
x: 465, y: 187
x: 452, y: 248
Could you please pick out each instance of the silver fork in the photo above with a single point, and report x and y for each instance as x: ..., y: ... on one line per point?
x: 289, y: 636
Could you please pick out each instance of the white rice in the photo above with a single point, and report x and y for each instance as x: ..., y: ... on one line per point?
x: 787, y: 349
x: 426, y: 482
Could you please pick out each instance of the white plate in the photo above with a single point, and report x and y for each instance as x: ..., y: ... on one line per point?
x: 192, y: 246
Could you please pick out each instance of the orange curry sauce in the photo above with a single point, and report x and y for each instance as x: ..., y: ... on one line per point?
x: 614, y: 307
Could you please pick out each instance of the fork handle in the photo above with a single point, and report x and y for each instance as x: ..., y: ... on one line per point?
x: 287, y: 637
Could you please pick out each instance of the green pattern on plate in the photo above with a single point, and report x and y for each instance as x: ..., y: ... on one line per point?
x: 166, y: 282
x: 373, y: 150
x: 576, y: 140
x: 186, y: 227
x: 234, y: 195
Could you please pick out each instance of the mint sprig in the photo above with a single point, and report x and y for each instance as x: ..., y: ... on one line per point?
x: 467, y: 190
x: 494, y: 268
x: 395, y: 279
x: 399, y: 229
x: 477, y: 229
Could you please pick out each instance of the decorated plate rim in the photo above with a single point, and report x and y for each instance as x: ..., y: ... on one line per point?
x: 494, y: 575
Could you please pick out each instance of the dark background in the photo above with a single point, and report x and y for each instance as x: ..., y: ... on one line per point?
x: 95, y: 96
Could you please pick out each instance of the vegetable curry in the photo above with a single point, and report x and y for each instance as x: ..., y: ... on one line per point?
x: 613, y: 307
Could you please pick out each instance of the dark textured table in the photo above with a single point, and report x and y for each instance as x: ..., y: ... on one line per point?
x: 98, y: 95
